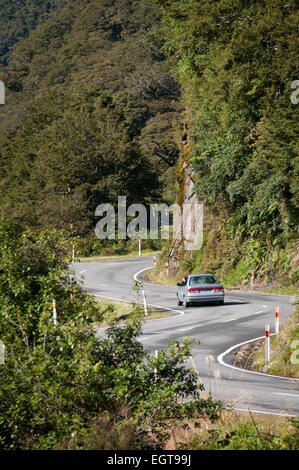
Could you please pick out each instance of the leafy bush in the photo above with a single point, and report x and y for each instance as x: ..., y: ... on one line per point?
x: 59, y: 382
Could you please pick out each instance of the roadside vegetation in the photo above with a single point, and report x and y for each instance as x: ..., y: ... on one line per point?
x: 60, y: 386
x: 235, y: 279
x: 122, y: 312
x: 241, y: 431
x: 132, y: 254
x: 235, y: 62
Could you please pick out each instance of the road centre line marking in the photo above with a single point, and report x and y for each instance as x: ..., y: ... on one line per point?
x: 154, y: 336
x: 239, y: 318
x: 288, y: 394
x: 190, y: 328
x: 114, y: 298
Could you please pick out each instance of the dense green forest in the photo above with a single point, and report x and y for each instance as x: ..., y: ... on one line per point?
x: 20, y: 17
x: 236, y: 61
x: 99, y: 96
x: 91, y: 113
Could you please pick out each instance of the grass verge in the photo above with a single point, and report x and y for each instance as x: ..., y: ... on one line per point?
x: 285, y: 290
x: 133, y: 254
x: 236, y: 431
x: 121, y: 312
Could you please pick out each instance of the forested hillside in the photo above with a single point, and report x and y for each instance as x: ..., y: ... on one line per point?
x: 91, y: 113
x: 19, y: 17
x: 94, y: 110
x: 236, y: 62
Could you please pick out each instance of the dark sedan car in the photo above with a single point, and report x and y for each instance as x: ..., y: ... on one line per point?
x: 200, y: 288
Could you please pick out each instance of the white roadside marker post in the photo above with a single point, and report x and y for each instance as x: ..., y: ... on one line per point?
x: 144, y: 302
x: 267, y: 344
x: 139, y: 246
x: 2, y: 93
x: 2, y: 352
x: 155, y: 371
x: 155, y: 261
x: 277, y: 321
x: 54, y: 313
x: 167, y: 269
x: 251, y: 280
x: 73, y: 254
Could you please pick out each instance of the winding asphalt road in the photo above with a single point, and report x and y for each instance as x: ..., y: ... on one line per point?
x: 218, y: 328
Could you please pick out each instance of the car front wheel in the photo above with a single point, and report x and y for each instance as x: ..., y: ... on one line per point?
x: 179, y: 301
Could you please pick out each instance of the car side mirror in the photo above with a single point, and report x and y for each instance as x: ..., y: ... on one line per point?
x: 179, y: 284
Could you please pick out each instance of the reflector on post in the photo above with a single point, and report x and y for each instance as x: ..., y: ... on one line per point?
x: 277, y: 321
x: 267, y: 344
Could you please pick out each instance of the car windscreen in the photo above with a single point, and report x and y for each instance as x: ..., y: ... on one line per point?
x: 202, y: 280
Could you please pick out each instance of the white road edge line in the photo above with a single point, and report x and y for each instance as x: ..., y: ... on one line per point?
x: 221, y: 361
x: 189, y: 328
x: 141, y: 271
x: 264, y: 412
x: 239, y: 318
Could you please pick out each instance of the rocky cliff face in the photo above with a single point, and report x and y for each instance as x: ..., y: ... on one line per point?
x: 192, y: 214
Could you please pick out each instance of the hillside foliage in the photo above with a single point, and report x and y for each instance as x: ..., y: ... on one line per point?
x: 236, y: 62
x: 20, y: 17
x: 90, y: 114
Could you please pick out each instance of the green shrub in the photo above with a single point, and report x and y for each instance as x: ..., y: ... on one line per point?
x: 59, y: 381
